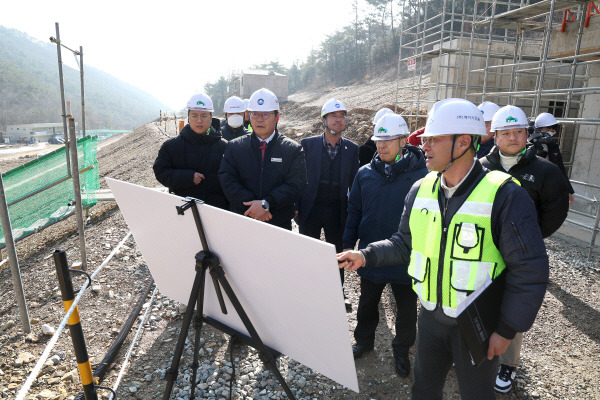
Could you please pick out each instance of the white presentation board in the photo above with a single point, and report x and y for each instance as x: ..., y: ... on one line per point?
x: 288, y: 284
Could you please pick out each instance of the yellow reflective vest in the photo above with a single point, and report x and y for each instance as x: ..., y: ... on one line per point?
x: 469, y: 255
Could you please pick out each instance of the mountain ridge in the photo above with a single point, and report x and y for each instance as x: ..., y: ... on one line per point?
x: 30, y: 89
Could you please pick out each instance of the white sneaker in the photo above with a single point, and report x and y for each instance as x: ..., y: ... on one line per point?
x: 505, y: 378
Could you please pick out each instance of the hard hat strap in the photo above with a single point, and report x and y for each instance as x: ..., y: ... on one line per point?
x: 452, y: 159
x: 327, y: 129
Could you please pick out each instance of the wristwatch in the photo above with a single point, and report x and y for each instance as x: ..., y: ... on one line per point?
x: 265, y: 205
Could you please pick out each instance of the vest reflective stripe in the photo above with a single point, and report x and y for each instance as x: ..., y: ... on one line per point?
x: 470, y: 255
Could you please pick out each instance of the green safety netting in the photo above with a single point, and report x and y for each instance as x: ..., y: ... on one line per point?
x: 50, y: 205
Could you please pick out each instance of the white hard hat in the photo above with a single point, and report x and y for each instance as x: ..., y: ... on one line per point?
x: 200, y: 102
x: 390, y: 126
x: 381, y: 113
x: 454, y: 117
x: 246, y: 102
x: 488, y: 109
x: 263, y: 100
x: 234, y: 105
x: 332, y: 105
x: 545, y: 119
x: 509, y: 117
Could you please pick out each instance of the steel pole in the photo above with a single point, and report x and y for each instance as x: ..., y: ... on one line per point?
x: 421, y: 67
x: 77, y: 193
x: 13, y: 260
x: 82, y: 91
x: 544, y: 60
x: 489, y: 49
x: 62, y: 97
x: 471, y: 48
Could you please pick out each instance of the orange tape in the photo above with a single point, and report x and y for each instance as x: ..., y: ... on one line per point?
x: 85, y: 372
x: 74, y: 319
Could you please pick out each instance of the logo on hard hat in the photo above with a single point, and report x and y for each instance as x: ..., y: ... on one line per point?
x: 260, y: 102
x: 200, y: 103
x: 337, y: 105
x: 382, y: 130
x: 511, y: 119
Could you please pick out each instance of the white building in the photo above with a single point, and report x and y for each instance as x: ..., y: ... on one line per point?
x: 33, y: 133
x: 251, y: 81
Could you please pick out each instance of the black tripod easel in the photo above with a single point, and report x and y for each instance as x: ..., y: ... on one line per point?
x: 205, y: 260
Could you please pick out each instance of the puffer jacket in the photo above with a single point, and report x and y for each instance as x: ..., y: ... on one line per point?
x: 180, y: 157
x: 230, y: 133
x: 543, y: 181
x: 375, y: 206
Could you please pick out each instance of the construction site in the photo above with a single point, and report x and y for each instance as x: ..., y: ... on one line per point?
x: 540, y: 56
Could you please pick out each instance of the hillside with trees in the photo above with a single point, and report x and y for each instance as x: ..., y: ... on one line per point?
x: 30, y: 89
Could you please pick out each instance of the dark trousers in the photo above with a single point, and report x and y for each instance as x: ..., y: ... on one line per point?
x: 367, y: 316
x: 328, y: 219
x: 438, y: 347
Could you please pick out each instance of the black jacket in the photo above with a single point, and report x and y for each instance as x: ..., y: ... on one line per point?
x: 375, y: 206
x: 230, y: 133
x: 514, y: 232
x: 313, y: 147
x: 280, y: 180
x: 366, y: 152
x: 549, y: 150
x: 484, y: 148
x: 543, y: 181
x: 180, y: 157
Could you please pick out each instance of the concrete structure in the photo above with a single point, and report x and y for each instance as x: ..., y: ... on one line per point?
x: 251, y: 81
x: 33, y: 133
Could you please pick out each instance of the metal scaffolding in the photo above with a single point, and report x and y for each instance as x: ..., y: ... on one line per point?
x: 502, y: 51
x: 491, y: 55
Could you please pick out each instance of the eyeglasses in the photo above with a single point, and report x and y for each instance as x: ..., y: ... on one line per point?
x: 264, y: 115
x: 333, y: 116
x: 430, y: 140
x: 197, y: 117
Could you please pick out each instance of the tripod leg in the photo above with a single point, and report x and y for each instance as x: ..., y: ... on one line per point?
x: 198, y: 321
x: 266, y: 355
x: 197, y: 290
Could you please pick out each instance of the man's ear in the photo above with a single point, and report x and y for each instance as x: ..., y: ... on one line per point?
x: 465, y: 141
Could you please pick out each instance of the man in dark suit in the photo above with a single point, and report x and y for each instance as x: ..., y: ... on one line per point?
x: 331, y: 164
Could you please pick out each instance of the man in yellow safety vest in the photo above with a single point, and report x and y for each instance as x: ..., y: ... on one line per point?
x: 462, y: 224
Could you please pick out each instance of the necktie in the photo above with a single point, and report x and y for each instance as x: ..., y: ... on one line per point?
x: 388, y: 169
x: 262, y: 147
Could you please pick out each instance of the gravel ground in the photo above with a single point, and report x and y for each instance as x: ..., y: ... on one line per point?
x: 559, y: 357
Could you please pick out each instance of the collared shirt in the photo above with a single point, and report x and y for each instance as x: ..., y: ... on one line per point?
x: 267, y: 139
x: 331, y: 150
x: 449, y: 191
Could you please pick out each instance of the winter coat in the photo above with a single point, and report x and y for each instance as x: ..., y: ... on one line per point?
x: 313, y: 148
x: 551, y: 152
x: 366, y: 152
x: 514, y: 232
x: 180, y: 157
x: 280, y: 180
x: 375, y: 206
x: 485, y: 148
x: 230, y: 133
x: 543, y: 181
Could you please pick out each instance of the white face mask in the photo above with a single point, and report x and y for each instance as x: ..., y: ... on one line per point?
x: 235, y: 120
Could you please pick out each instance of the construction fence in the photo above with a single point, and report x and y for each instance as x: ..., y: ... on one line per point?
x: 40, y: 192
